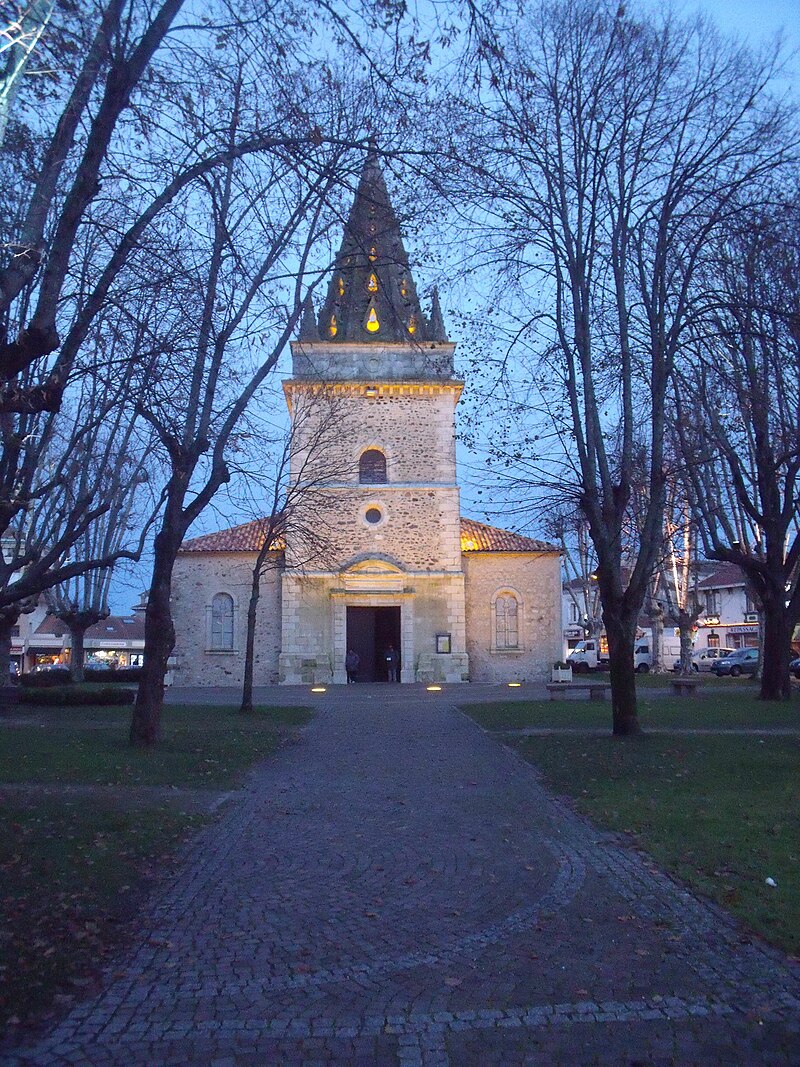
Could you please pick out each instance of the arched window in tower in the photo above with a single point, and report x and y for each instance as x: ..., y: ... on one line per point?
x: 412, y: 324
x: 373, y: 254
x: 372, y: 284
x: 372, y: 467
x: 222, y: 623
x: 506, y: 621
x: 372, y: 323
x: 333, y: 327
x: 341, y: 286
x: 403, y: 288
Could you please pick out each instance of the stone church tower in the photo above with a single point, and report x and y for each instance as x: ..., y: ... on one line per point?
x: 398, y: 567
x: 393, y: 575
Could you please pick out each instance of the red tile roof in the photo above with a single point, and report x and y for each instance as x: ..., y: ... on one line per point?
x: 726, y: 576
x: 114, y: 628
x: 248, y: 537
x: 475, y: 537
x: 478, y: 537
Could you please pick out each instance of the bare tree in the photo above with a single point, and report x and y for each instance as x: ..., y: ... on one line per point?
x: 74, y: 528
x: 680, y: 570
x: 82, y: 600
x: 18, y: 38
x: 738, y: 420
x: 579, y: 564
x: 220, y: 338
x: 72, y: 488
x: 289, y: 482
x: 118, y: 53
x: 612, y: 149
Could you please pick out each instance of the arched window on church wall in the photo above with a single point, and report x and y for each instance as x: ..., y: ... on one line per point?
x: 506, y: 621
x: 222, y: 623
x: 372, y: 467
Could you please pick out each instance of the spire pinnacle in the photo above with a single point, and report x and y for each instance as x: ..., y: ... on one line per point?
x: 308, y: 323
x: 371, y: 295
x: 437, y: 330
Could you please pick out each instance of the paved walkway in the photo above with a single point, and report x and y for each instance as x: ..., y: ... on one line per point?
x: 397, y: 888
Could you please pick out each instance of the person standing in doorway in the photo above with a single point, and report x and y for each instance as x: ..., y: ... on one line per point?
x: 391, y: 659
x: 352, y: 662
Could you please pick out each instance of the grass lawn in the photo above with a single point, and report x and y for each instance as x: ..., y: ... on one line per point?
x: 721, y: 812
x: 75, y: 869
x: 661, y: 681
x: 716, y: 706
x: 201, y: 747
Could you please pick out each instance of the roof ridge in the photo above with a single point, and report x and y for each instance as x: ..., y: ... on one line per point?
x: 476, y: 536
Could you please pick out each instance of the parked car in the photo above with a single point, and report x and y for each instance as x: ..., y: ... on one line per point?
x: 794, y: 667
x: 703, y: 659
x: 742, y: 661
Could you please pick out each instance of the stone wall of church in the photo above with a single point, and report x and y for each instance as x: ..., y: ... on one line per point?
x: 419, y: 503
x: 414, y: 427
x: 536, y: 581
x: 372, y: 361
x: 198, y: 577
x: 315, y: 626
x: 419, y: 528
x: 413, y: 423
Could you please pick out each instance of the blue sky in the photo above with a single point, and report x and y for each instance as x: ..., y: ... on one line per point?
x: 755, y: 21
x: 750, y: 17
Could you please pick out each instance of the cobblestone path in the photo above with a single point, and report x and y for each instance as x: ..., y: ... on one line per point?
x: 398, y: 889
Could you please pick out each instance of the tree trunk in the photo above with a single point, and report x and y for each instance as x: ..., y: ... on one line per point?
x: 778, y: 628
x: 249, y: 655
x: 621, y: 635
x: 7, y: 624
x: 159, y: 641
x: 8, y: 693
x: 657, y: 665
x: 685, y: 626
x: 77, y: 633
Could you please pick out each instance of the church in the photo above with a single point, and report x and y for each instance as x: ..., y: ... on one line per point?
x: 403, y: 573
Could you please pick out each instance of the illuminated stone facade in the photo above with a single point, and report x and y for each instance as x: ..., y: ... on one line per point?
x: 457, y: 600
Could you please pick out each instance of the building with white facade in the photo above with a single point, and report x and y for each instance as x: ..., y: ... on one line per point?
x: 730, y: 619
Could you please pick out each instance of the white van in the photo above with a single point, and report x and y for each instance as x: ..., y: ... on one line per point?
x: 587, y: 656
x: 642, y: 660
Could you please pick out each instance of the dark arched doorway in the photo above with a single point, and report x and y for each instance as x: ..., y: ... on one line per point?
x: 370, y: 631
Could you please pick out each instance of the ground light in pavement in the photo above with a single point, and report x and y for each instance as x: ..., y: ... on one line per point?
x: 434, y: 688
x: 319, y: 689
x: 514, y: 685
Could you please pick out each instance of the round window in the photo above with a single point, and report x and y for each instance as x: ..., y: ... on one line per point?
x: 373, y: 515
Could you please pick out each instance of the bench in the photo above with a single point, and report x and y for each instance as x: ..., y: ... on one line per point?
x: 685, y: 687
x: 593, y: 690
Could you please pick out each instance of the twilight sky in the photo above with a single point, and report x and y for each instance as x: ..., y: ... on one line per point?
x: 756, y: 21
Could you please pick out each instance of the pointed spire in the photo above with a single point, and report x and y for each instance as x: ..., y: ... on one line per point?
x: 437, y: 330
x: 308, y: 323
x: 371, y: 295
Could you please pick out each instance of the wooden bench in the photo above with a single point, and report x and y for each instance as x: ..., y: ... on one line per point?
x: 593, y: 690
x: 684, y: 686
